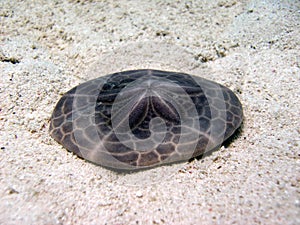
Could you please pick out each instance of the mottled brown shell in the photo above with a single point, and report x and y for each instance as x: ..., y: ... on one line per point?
x: 143, y: 118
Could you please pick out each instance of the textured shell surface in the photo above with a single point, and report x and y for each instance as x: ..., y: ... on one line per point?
x: 144, y: 118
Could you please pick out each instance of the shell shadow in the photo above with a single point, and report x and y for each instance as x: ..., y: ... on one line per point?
x: 226, y: 143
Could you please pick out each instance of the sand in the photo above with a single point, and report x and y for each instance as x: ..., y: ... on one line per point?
x: 252, y: 47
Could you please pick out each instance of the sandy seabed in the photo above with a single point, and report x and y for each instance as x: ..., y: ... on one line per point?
x: 252, y: 47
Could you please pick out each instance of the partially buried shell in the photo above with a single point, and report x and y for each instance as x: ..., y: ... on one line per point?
x: 143, y: 118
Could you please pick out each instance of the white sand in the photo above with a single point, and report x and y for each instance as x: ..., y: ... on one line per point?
x: 250, y: 46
